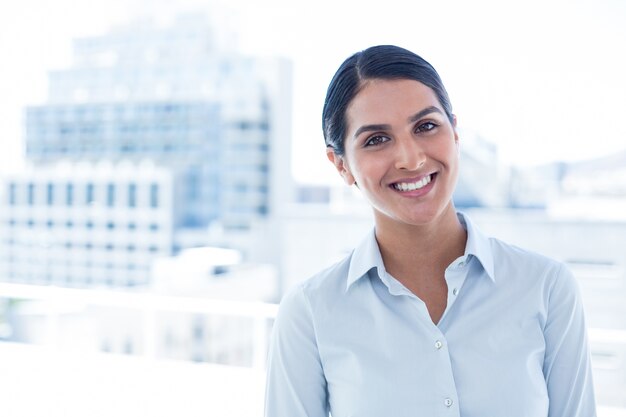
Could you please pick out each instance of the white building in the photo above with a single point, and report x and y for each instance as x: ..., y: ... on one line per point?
x: 217, y: 125
x: 86, y: 225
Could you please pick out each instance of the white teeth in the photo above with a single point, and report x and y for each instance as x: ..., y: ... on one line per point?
x: 412, y: 186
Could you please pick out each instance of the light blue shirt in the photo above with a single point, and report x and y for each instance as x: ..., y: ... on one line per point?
x: 353, y: 341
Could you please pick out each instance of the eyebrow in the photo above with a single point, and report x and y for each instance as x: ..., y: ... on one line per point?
x: 411, y: 119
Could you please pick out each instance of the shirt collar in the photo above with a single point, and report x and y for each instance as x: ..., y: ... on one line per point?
x: 478, y: 245
x: 366, y: 255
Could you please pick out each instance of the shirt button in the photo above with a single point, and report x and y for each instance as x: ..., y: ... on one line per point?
x: 455, y: 291
x: 448, y: 402
x: 438, y: 344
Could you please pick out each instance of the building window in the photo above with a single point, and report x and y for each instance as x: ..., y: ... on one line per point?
x: 110, y: 225
x: 132, y: 195
x: 50, y: 194
x: 69, y: 194
x: 154, y: 227
x: 105, y: 346
x: 31, y: 194
x: 110, y: 195
x: 132, y: 226
x: 12, y: 194
x: 198, y: 331
x: 154, y: 195
x: 128, y: 346
x: 89, y: 194
x: 193, y: 184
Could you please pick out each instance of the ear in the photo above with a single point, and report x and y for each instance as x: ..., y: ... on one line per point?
x: 341, y: 165
x: 456, y: 134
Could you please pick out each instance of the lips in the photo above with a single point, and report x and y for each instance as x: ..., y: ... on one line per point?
x: 413, y: 185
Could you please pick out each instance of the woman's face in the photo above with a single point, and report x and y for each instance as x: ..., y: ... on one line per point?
x: 401, y: 150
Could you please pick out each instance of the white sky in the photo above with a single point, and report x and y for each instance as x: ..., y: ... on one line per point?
x: 542, y: 79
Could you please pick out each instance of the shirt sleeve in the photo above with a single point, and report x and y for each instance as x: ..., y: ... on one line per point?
x: 567, y: 365
x: 295, y: 385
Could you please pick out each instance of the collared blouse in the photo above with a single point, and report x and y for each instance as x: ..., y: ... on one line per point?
x: 354, y: 342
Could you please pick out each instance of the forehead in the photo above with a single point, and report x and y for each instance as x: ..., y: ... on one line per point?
x: 381, y: 101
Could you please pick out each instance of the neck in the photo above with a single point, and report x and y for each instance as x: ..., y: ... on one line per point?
x: 421, y: 250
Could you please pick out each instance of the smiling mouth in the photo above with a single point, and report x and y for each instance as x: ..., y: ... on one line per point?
x: 412, y: 186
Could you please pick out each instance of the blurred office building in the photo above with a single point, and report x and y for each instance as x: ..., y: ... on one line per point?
x: 590, y: 189
x: 594, y: 188
x: 155, y: 138
x: 87, y: 225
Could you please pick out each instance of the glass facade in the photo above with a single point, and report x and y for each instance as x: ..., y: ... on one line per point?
x: 134, y: 98
x: 224, y: 166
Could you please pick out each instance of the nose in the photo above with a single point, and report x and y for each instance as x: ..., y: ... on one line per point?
x: 410, y: 155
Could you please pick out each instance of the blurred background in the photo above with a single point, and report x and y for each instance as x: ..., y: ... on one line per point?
x: 163, y: 180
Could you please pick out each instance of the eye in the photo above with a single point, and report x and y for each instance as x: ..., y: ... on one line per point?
x: 425, y: 127
x: 375, y: 140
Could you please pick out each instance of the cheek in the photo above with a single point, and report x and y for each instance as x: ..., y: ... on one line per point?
x: 449, y: 151
x: 369, y: 170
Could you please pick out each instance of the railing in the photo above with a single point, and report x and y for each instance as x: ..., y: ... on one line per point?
x: 608, y: 346
x: 148, y: 305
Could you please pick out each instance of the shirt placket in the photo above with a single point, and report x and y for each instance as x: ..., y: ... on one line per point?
x: 447, y: 401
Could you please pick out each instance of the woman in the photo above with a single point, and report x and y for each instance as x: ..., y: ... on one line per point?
x: 427, y: 316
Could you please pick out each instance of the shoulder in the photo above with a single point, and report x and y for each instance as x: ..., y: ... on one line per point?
x: 325, y: 286
x: 507, y: 256
x: 523, y: 265
x: 508, y: 263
